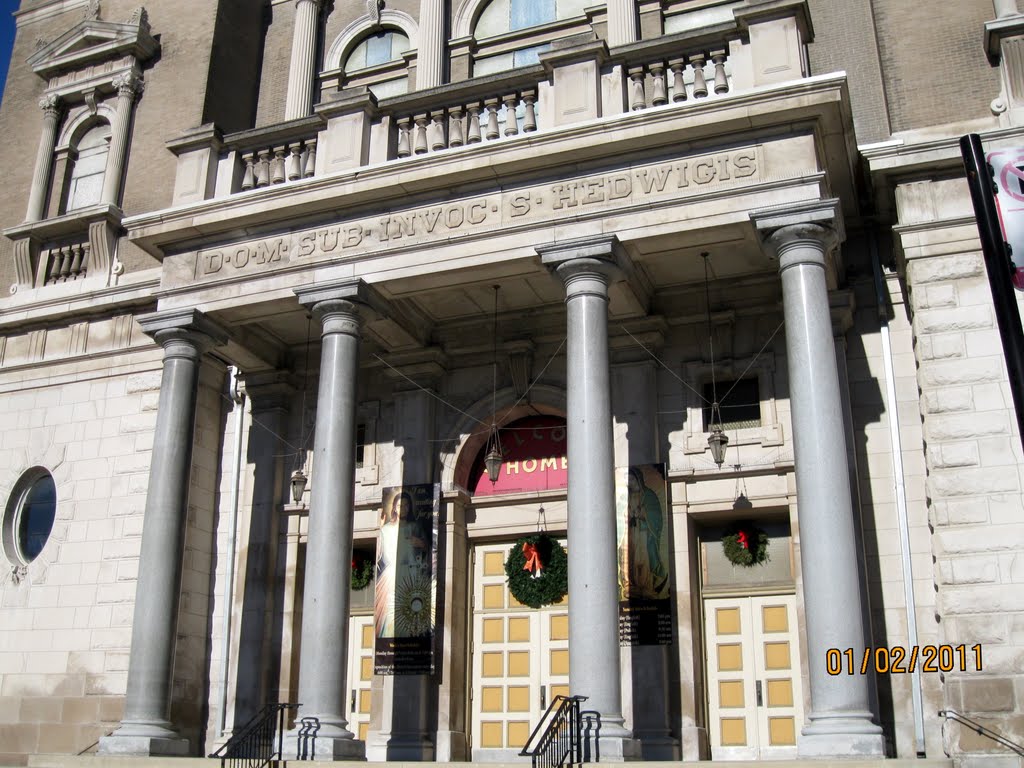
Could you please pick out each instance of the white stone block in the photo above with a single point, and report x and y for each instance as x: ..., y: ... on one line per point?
x: 961, y: 426
x: 46, y: 662
x: 944, y: 268
x: 148, y: 381
x: 952, y: 319
x: 969, y: 570
x: 983, y: 371
x: 972, y: 482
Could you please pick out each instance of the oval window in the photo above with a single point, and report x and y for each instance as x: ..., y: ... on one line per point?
x: 30, y: 515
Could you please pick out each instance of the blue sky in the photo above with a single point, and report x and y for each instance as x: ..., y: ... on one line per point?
x: 7, y: 7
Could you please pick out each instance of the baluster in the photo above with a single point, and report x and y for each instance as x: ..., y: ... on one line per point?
x: 53, y: 267
x: 85, y: 260
x: 474, y: 134
x: 660, y: 93
x: 529, y: 111
x: 639, y: 100
x: 700, y: 85
x: 492, y: 119
x: 263, y: 169
x: 404, y: 150
x: 65, y: 263
x: 309, y: 167
x: 437, y: 127
x: 277, y: 165
x: 295, y: 162
x: 455, y: 138
x: 249, y: 177
x: 511, y: 120
x: 420, y: 144
x: 678, y: 67
x: 721, y: 81
x: 76, y: 262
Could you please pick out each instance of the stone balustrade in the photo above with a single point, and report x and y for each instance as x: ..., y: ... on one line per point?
x: 577, y: 80
x: 66, y: 263
x: 463, y: 124
x: 278, y: 164
x: 699, y: 75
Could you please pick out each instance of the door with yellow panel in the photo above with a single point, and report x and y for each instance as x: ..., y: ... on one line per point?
x: 520, y: 659
x: 755, y: 705
x: 360, y: 674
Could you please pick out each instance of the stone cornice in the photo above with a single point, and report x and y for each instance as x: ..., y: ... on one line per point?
x: 92, y: 41
x: 819, y: 101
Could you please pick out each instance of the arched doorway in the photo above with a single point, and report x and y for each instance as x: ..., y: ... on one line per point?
x: 519, y: 655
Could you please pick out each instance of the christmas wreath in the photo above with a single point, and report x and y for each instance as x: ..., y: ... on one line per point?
x: 362, y: 570
x: 745, y: 544
x: 537, y: 570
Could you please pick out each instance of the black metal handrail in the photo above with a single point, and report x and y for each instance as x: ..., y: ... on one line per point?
x: 557, y: 739
x: 260, y: 740
x: 981, y: 730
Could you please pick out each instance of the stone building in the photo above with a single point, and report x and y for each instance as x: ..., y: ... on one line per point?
x: 272, y: 261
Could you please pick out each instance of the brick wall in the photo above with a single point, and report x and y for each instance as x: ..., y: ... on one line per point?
x: 933, y: 65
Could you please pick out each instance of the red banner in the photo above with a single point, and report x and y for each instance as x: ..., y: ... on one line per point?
x: 534, y: 451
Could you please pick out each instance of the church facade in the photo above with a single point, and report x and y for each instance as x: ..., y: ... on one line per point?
x: 336, y: 334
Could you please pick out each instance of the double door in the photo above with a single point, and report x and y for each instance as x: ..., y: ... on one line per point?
x: 520, y: 660
x: 755, y: 701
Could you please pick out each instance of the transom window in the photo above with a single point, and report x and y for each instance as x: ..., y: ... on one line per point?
x: 29, y: 517
x: 739, y: 403
x: 377, y: 48
x: 501, y: 16
x: 513, y: 32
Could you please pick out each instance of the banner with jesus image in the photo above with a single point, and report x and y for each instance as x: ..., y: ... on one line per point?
x: 645, y: 610
x: 406, y: 583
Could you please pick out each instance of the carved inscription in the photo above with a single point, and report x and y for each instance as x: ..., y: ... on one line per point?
x: 679, y: 178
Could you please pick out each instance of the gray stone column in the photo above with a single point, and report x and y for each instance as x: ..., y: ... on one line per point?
x: 299, y: 99
x: 839, y: 723
x: 52, y: 108
x: 146, y: 728
x: 586, y: 267
x: 430, y: 54
x: 622, y: 22
x: 339, y: 308
x: 129, y: 85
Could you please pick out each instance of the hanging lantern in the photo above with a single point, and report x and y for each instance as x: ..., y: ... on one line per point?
x: 493, y: 460
x: 718, y: 442
x: 298, y: 483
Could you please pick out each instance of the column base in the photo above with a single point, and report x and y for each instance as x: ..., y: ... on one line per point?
x: 658, y: 748
x: 384, y: 747
x: 847, y: 734
x: 144, y: 741
x: 324, y: 747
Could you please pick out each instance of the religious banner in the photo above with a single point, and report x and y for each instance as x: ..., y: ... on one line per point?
x: 645, y: 610
x: 406, y: 585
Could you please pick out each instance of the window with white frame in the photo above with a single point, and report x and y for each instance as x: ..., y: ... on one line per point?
x: 85, y: 182
x: 513, y: 33
x: 376, y: 61
x: 28, y: 519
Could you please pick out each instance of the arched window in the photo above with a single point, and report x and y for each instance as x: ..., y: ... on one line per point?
x: 376, y: 59
x: 29, y: 516
x: 85, y: 185
x: 503, y: 17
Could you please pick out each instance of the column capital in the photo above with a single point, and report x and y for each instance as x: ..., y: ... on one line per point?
x: 587, y: 265
x: 129, y: 84
x: 52, y: 105
x: 268, y: 390
x: 184, y: 333
x: 318, y: 3
x: 342, y: 306
x: 816, y: 221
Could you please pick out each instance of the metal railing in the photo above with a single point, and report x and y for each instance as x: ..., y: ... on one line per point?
x: 260, y: 740
x: 981, y: 730
x: 558, y: 738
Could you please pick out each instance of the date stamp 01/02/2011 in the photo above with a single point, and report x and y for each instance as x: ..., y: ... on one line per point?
x: 901, y: 660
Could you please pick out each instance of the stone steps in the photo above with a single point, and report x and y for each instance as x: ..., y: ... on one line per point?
x: 98, y: 761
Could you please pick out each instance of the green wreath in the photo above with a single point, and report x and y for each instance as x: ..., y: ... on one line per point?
x: 745, y: 544
x: 537, y: 570
x: 362, y: 570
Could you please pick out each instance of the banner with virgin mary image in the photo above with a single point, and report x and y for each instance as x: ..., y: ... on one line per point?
x: 406, y: 581
x: 645, y: 610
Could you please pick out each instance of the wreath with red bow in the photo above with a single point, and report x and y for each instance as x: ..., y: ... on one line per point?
x: 538, y: 570
x: 745, y: 544
x: 362, y: 570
